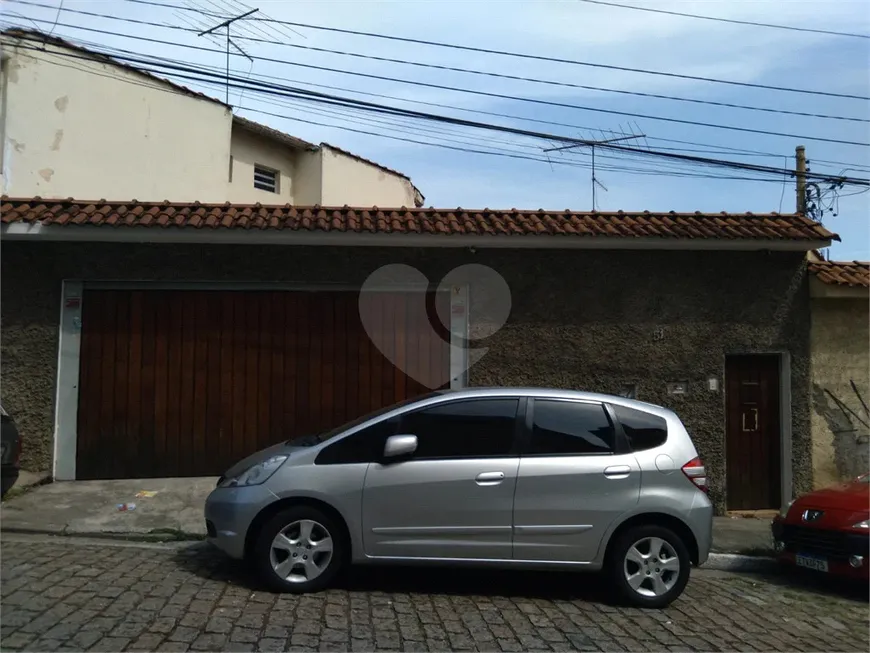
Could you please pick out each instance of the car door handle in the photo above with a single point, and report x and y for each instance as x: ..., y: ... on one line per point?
x: 489, y: 478
x: 617, y: 471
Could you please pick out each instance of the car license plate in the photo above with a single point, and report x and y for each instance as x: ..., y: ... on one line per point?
x: 811, y: 562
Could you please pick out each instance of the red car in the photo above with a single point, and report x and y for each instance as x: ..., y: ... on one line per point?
x: 827, y: 530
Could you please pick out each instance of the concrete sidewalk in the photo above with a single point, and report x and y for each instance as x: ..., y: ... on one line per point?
x: 90, y: 508
x: 171, y: 508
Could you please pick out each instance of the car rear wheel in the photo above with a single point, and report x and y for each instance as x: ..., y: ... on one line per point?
x: 299, y: 550
x: 649, y: 566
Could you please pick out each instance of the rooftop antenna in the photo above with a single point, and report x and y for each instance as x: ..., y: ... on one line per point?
x: 592, y: 145
x: 227, y: 23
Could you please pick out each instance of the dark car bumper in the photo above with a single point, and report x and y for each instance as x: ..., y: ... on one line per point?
x: 833, y: 552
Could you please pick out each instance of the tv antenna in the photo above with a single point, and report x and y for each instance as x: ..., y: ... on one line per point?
x: 591, y: 145
x: 227, y: 23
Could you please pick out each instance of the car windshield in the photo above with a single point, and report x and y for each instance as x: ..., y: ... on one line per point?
x: 311, y: 440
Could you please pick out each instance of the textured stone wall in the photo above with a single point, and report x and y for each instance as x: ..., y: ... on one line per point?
x: 840, y: 354
x: 592, y: 320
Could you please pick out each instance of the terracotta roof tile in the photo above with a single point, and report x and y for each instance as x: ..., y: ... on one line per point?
x: 842, y: 273
x: 413, y: 220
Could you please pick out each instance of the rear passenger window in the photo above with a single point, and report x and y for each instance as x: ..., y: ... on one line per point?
x: 643, y: 430
x: 569, y: 427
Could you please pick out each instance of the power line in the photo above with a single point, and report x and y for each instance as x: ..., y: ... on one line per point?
x: 284, y: 91
x: 505, y: 53
x: 155, y: 85
x: 730, y: 20
x: 420, y: 64
x: 485, y: 93
x: 721, y: 150
x: 509, y: 116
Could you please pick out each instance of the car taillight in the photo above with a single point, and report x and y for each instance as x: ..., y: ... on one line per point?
x: 697, y: 473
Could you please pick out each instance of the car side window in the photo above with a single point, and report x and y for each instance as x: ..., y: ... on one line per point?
x: 474, y: 428
x: 570, y: 428
x: 643, y: 430
x: 364, y: 446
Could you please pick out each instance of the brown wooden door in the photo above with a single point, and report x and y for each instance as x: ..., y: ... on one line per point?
x: 752, y: 444
x: 186, y: 383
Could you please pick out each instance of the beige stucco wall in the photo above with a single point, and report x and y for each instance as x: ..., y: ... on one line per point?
x: 248, y: 149
x: 347, y: 180
x: 79, y: 128
x: 309, y: 178
x: 840, y: 352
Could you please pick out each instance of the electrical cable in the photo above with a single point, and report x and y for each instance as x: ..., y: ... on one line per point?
x: 467, y: 48
x: 483, y: 93
x: 284, y: 91
x: 730, y: 20
x: 468, y: 71
x: 441, y: 105
x: 467, y: 150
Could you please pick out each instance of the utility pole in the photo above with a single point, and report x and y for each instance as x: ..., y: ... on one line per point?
x: 800, y: 157
x: 227, y: 24
x: 592, y: 145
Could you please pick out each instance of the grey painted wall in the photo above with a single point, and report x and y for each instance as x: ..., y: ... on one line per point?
x: 592, y: 320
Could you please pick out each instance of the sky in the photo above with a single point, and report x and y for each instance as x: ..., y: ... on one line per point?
x: 566, y: 29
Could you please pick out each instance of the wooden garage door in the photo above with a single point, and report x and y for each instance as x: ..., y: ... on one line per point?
x: 186, y: 383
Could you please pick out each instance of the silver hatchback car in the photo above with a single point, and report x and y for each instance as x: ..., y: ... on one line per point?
x: 508, y: 477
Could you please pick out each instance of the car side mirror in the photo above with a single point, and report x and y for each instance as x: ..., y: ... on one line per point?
x: 398, y: 446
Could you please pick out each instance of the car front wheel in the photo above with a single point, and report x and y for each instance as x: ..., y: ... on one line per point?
x: 299, y: 550
x: 649, y: 566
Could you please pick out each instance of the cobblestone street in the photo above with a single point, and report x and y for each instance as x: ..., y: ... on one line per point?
x: 64, y: 594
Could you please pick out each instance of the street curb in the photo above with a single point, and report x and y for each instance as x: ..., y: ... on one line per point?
x: 157, y: 536
x: 736, y: 562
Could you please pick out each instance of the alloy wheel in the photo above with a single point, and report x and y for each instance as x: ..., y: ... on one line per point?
x: 301, y: 551
x: 651, y: 567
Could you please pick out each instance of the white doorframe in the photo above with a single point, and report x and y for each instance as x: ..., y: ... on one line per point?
x: 66, y: 402
x: 69, y: 346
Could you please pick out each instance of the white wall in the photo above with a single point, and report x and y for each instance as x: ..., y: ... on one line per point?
x: 347, y: 180
x: 248, y: 149
x: 309, y: 178
x: 79, y: 128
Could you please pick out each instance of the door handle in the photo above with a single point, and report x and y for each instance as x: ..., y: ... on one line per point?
x: 489, y: 478
x: 617, y: 471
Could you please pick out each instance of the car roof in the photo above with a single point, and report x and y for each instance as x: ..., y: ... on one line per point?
x: 540, y: 392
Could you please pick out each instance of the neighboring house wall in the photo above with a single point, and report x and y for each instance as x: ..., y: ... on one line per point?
x: 249, y: 149
x: 309, y: 178
x: 347, y: 180
x: 84, y: 129
x: 569, y: 327
x: 840, y: 345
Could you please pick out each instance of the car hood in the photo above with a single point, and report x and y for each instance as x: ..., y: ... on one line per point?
x: 852, y: 496
x: 263, y: 454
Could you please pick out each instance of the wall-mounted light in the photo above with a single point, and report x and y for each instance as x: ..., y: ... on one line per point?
x: 713, y: 383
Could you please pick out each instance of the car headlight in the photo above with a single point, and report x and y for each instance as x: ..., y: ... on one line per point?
x: 783, y: 512
x: 862, y: 524
x: 256, y: 474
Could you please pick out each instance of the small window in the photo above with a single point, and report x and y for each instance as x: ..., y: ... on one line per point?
x: 643, y: 430
x: 570, y: 427
x: 364, y: 446
x: 476, y: 428
x: 265, y: 179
